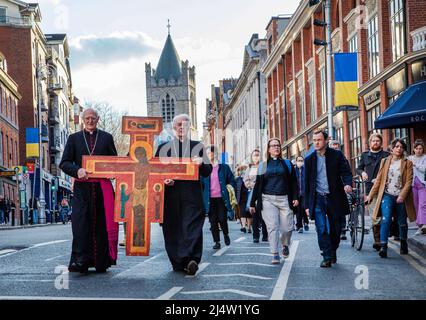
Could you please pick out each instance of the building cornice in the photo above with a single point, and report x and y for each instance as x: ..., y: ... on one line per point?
x: 9, y: 83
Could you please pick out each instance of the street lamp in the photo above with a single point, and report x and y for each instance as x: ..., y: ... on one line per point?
x: 42, y: 73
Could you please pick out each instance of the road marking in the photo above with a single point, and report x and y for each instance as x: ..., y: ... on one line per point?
x: 135, y: 268
x: 169, y: 294
x: 201, y: 267
x: 240, y: 292
x: 237, y: 275
x: 281, y: 285
x: 7, y: 251
x: 34, y: 246
x: 257, y: 247
x: 250, y: 254
x: 409, y: 259
x: 246, y: 263
x: 413, y: 254
x: 50, y: 259
x: 240, y: 239
x: 221, y: 251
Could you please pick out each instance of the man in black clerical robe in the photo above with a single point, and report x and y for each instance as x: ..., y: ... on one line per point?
x: 95, y: 234
x: 184, y: 212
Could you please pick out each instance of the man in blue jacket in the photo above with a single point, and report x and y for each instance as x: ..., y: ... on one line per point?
x: 327, y: 178
x: 216, y: 197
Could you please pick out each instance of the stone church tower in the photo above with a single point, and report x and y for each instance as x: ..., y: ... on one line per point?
x: 170, y: 88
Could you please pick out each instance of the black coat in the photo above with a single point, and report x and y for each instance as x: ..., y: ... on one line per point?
x: 289, y: 177
x: 338, y: 175
x: 370, y: 166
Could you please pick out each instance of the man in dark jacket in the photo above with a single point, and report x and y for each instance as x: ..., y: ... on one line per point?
x: 327, y: 178
x: 368, y: 169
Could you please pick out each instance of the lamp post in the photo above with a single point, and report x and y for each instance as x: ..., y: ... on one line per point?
x: 41, y: 76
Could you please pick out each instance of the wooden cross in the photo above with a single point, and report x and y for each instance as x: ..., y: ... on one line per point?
x: 139, y: 198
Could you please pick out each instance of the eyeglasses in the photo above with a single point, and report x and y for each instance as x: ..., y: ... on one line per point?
x: 274, y: 145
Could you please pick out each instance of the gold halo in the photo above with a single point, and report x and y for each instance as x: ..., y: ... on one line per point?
x: 140, y: 144
x: 157, y: 185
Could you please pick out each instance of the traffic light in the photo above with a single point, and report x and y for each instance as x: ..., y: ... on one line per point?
x: 53, y: 187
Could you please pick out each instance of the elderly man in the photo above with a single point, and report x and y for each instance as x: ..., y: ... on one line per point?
x: 184, y: 212
x: 95, y: 234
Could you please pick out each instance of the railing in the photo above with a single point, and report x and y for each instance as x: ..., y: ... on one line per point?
x: 419, y: 39
x: 23, y: 21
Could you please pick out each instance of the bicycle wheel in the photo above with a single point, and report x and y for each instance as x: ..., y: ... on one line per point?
x: 359, y: 227
x: 351, y: 223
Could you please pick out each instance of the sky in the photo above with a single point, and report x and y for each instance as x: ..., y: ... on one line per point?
x: 111, y: 40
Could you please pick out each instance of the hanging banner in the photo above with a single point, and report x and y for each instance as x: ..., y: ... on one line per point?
x: 32, y: 142
x: 346, y: 81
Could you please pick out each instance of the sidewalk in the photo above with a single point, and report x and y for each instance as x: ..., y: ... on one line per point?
x: 7, y: 227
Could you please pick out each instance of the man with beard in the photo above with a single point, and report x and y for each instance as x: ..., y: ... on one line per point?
x: 184, y: 212
x: 95, y: 234
x: 368, y: 168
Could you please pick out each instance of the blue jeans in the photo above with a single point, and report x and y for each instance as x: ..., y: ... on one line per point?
x: 328, y: 225
x: 35, y: 216
x: 1, y: 216
x: 387, y: 206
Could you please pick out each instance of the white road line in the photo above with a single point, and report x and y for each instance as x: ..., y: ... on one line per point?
x: 412, y: 253
x: 62, y: 255
x: 258, y: 247
x: 34, y: 246
x: 240, y: 292
x: 138, y: 266
x: 221, y: 251
x: 7, y: 251
x: 169, y: 294
x: 281, y: 285
x: 237, y: 275
x: 409, y: 259
x: 240, y: 239
x: 250, y: 254
x: 201, y: 267
x: 246, y: 263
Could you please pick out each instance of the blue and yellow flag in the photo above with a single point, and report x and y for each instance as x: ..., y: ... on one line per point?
x: 32, y: 143
x: 346, y: 80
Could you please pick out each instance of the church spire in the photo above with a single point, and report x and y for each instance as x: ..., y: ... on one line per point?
x: 168, y: 25
x: 169, y: 65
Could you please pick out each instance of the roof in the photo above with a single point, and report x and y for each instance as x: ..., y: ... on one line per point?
x: 169, y: 65
x: 55, y: 37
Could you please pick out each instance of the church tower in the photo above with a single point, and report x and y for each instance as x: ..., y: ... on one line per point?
x: 170, y: 88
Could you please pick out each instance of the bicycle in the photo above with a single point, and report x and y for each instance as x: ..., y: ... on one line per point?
x: 356, y: 221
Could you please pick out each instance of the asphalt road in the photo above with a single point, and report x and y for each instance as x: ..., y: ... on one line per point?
x: 33, y: 265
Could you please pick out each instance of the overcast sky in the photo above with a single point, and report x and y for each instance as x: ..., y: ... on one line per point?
x: 111, y: 40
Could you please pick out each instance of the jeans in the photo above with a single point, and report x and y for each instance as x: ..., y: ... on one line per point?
x: 35, y: 216
x: 387, y: 206
x: 1, y: 216
x: 328, y: 225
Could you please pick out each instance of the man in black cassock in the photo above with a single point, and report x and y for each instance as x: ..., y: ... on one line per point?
x: 94, y: 233
x: 184, y: 212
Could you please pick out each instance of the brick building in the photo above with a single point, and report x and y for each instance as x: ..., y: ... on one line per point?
x: 9, y: 131
x: 386, y: 34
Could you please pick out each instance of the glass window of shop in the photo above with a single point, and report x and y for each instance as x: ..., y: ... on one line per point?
x: 293, y: 111
x: 323, y: 90
x: 340, y: 138
x: 373, y: 46
x: 397, y: 19
x: 301, y: 94
x: 312, y: 108
x: 372, y: 115
x: 355, y: 141
x: 353, y: 43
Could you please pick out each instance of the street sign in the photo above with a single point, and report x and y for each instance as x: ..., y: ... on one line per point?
x: 30, y: 167
x: 23, y: 199
x: 26, y: 176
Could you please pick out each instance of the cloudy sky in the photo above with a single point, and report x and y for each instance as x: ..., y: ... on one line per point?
x: 111, y: 40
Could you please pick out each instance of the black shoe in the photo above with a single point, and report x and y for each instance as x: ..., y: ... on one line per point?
x: 376, y: 246
x: 306, y: 227
x: 334, y: 257
x: 101, y: 270
x: 265, y: 239
x: 325, y: 263
x: 216, y: 245
x: 396, y: 238
x: 404, y: 247
x: 243, y: 230
x: 178, y: 269
x: 191, y: 268
x: 343, y: 237
x: 255, y: 240
x: 227, y: 240
x: 249, y: 231
x: 78, y: 267
x: 383, y: 251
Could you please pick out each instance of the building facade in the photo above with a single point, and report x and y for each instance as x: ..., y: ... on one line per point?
x: 383, y: 34
x: 171, y: 88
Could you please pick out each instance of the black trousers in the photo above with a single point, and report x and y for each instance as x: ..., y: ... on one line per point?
x: 257, y: 224
x: 218, y: 216
x: 301, y: 216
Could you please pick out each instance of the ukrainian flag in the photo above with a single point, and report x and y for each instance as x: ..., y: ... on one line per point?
x: 32, y: 143
x: 346, y: 80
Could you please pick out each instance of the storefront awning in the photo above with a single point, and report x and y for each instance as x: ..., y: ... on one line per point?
x: 406, y: 111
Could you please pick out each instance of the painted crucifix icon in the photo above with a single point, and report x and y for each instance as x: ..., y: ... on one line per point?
x: 139, y: 198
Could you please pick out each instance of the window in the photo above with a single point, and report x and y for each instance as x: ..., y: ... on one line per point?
x: 301, y: 93
x: 1, y: 150
x: 312, y: 109
x: 293, y: 112
x: 353, y: 43
x: 1, y: 99
x: 373, y: 46
x: 372, y: 115
x: 339, y: 137
x: 7, y: 152
x: 168, y: 109
x: 397, y: 28
x: 355, y: 141
x: 3, y: 15
x: 323, y: 82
